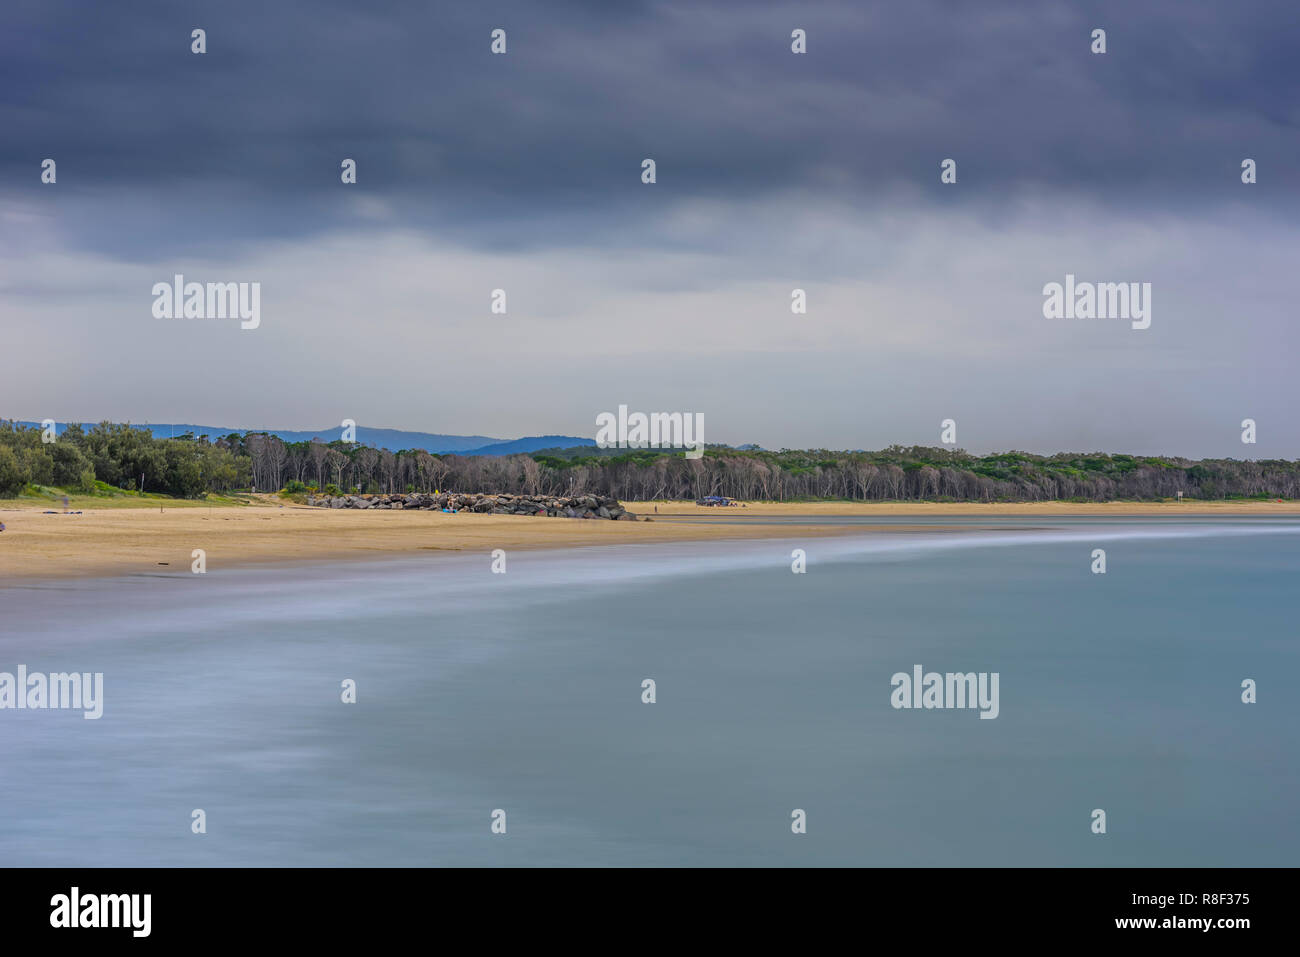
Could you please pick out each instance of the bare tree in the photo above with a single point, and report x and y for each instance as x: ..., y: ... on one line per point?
x: 337, y: 462
x: 276, y: 455
x: 388, y: 467
x: 257, y: 443
x: 364, y: 461
x: 317, y: 452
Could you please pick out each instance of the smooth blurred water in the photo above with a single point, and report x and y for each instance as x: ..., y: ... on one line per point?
x: 522, y: 691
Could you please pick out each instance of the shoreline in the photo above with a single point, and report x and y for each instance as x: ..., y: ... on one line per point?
x: 1187, y: 508
x: 125, y: 541
x: 116, y: 541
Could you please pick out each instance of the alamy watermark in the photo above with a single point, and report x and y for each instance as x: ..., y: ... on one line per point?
x: 657, y: 430
x: 59, y: 690
x: 75, y: 909
x: 950, y: 690
x: 179, y: 299
x: 1102, y: 300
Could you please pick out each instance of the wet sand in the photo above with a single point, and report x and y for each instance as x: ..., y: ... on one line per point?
x: 119, y: 541
x: 978, y: 509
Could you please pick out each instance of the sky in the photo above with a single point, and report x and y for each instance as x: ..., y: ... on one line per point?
x: 775, y: 171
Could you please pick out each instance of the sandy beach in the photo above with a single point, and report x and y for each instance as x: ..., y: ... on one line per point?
x: 118, y: 541
x: 121, y: 541
x: 975, y: 509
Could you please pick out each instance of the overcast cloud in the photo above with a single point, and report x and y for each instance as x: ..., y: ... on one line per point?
x: 775, y: 171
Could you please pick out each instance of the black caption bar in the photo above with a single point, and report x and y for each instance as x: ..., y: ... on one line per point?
x: 136, y: 906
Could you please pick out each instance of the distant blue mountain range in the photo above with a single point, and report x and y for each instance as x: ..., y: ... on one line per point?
x: 393, y: 440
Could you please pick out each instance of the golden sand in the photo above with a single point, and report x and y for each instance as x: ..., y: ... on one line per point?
x: 114, y: 541
x: 974, y: 509
x: 117, y: 540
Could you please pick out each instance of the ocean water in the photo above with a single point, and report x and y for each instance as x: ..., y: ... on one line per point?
x: 522, y: 692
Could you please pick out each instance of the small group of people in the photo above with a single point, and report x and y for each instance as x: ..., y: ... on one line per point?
x: 65, y: 512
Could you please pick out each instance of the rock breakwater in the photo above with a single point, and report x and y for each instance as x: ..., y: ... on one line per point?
x: 576, y: 506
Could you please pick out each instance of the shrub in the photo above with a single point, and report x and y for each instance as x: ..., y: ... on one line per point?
x: 68, y: 466
x: 38, y: 466
x: 13, y: 477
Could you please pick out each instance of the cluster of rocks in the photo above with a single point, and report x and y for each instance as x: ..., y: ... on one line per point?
x: 578, y: 506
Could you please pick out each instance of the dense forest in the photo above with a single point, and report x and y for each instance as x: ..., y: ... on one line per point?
x: 119, y: 456
x: 114, y: 456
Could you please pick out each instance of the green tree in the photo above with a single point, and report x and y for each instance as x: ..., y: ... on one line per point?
x: 181, y: 475
x: 68, y: 464
x: 38, y: 465
x: 12, y: 475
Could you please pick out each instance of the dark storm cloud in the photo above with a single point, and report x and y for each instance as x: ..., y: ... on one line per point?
x: 545, y: 143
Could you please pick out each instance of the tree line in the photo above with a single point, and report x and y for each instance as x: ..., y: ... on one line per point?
x: 187, y: 466
x: 919, y: 473
x: 121, y: 456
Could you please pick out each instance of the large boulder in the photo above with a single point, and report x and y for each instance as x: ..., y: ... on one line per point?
x: 578, y: 506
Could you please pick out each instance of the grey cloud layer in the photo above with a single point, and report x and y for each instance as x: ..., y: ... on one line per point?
x: 775, y: 171
x: 942, y: 320
x: 250, y: 134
